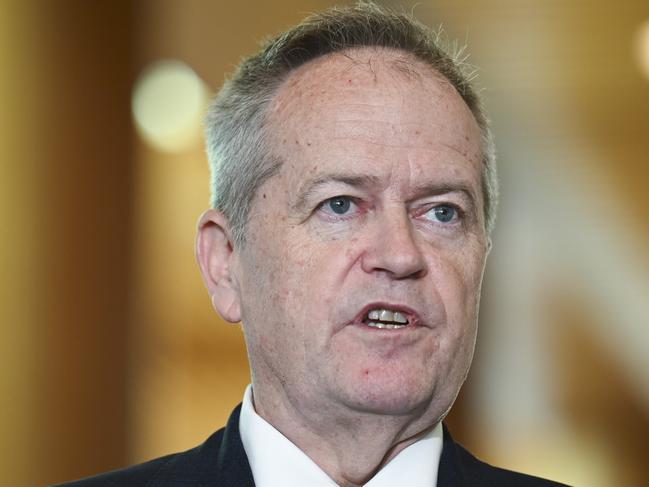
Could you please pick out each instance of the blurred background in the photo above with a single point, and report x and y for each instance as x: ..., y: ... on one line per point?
x: 111, y: 353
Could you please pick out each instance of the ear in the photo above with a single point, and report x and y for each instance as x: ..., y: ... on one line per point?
x: 215, y: 256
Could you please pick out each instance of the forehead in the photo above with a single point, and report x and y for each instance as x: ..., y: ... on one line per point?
x: 372, y: 108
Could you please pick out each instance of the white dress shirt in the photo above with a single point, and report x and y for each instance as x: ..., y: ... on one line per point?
x: 276, y: 461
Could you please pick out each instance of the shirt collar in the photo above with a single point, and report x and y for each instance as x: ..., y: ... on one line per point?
x: 275, y: 460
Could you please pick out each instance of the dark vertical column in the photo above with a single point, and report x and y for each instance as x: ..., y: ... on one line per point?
x: 82, y: 68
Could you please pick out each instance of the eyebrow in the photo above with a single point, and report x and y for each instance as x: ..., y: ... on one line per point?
x: 435, y: 189
x: 452, y: 188
x: 354, y: 180
x: 370, y: 181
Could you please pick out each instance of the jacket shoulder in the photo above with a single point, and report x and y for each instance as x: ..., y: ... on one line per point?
x: 154, y: 472
x: 220, y: 461
x: 136, y: 475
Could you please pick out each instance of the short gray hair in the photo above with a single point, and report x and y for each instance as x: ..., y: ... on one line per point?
x: 237, y: 138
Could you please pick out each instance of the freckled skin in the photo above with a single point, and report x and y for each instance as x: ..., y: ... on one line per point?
x: 305, y: 273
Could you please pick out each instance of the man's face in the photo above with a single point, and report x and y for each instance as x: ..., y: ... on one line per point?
x: 375, y: 219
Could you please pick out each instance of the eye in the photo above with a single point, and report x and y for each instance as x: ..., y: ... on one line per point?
x: 340, y: 208
x: 443, y: 213
x: 339, y: 205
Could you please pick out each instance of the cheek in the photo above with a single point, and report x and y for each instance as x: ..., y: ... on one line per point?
x: 322, y: 264
x: 285, y: 280
x: 460, y: 282
x: 459, y: 288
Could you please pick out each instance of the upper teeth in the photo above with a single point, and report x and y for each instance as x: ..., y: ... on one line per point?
x: 387, y: 315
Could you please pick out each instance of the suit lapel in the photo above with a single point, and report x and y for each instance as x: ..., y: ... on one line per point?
x: 449, y: 473
x: 232, y: 467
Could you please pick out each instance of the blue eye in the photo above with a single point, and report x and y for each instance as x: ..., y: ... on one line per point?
x: 340, y: 204
x: 444, y: 213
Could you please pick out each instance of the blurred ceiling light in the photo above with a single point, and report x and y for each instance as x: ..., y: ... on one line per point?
x: 168, y: 104
x: 642, y: 48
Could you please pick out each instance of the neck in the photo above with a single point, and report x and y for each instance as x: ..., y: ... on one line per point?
x: 349, y: 446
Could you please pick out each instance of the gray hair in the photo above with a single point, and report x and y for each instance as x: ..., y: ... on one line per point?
x: 237, y: 138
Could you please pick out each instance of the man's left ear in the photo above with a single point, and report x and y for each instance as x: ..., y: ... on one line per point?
x: 215, y: 256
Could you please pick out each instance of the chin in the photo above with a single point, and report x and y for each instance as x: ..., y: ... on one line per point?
x: 391, y: 397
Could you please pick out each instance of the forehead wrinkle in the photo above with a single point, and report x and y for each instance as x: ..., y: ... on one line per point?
x: 457, y: 150
x: 379, y: 132
x: 375, y: 140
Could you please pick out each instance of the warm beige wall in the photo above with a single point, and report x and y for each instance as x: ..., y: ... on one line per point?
x: 110, y: 350
x: 19, y: 311
x: 65, y: 188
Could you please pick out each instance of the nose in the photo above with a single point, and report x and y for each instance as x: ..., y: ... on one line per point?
x: 393, y: 248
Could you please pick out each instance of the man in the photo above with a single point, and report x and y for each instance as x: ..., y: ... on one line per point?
x: 354, y: 192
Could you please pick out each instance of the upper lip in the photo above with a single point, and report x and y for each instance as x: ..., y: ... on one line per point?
x: 412, y: 315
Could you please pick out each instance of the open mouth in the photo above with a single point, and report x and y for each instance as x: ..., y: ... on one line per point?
x: 386, y: 319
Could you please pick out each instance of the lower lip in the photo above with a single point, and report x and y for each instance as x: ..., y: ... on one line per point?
x: 386, y: 326
x: 387, y: 331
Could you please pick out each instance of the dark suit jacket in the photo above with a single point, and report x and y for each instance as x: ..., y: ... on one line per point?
x: 221, y: 462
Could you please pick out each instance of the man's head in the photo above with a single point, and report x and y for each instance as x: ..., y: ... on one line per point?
x: 367, y: 230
